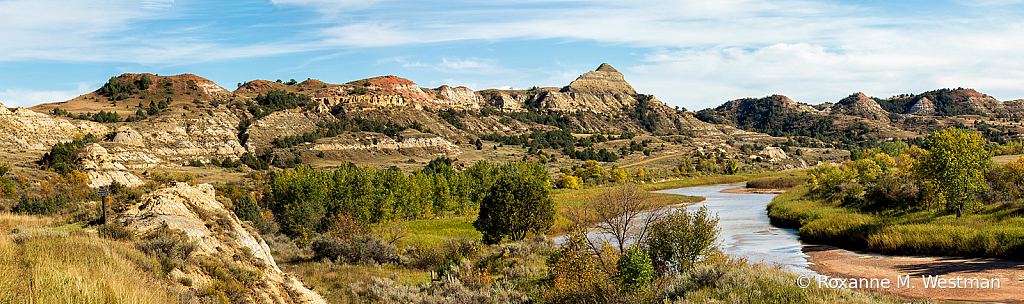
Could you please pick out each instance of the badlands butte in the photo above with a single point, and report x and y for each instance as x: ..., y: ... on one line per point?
x: 201, y: 121
x: 146, y: 130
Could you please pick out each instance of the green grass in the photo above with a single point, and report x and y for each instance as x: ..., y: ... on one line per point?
x: 783, y: 181
x: 996, y: 232
x: 695, y: 181
x: 434, y: 232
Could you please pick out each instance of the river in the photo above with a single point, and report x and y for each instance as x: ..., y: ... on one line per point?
x: 747, y: 232
x: 745, y: 228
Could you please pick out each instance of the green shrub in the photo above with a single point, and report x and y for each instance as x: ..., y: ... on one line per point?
x: 518, y: 203
x: 115, y: 231
x: 59, y: 158
x: 40, y: 205
x: 361, y: 249
x: 635, y: 269
x: 171, y: 248
x: 681, y: 238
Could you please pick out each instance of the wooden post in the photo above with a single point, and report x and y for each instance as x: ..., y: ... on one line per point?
x: 105, y: 198
x: 104, y: 194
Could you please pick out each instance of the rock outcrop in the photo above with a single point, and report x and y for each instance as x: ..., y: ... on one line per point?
x: 28, y: 130
x: 262, y: 132
x: 103, y: 169
x: 458, y: 97
x: 220, y: 235
x: 376, y: 143
x: 923, y: 107
x: 860, y: 105
x: 171, y: 138
x: 605, y: 79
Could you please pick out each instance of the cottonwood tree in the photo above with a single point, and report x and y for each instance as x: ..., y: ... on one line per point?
x: 954, y: 166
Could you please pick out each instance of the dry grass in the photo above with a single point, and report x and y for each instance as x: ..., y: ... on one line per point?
x: 332, y: 280
x: 1003, y: 159
x: 9, y: 220
x: 43, y: 265
x: 737, y: 281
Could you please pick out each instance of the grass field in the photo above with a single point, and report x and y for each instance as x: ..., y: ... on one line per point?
x: 434, y: 232
x: 997, y: 231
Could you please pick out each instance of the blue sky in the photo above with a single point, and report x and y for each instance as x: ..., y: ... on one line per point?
x: 695, y: 54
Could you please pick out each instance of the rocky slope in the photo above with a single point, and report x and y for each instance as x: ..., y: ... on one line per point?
x: 24, y: 129
x: 222, y: 240
x: 860, y: 105
x: 103, y: 169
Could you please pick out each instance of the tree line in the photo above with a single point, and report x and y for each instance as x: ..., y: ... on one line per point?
x: 307, y: 201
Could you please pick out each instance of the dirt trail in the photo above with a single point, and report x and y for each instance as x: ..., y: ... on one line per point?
x: 839, y: 263
x: 650, y: 160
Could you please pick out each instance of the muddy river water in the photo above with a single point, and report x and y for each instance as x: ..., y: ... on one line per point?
x: 745, y: 228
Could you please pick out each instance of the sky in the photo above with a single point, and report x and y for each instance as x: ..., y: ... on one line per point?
x: 693, y: 54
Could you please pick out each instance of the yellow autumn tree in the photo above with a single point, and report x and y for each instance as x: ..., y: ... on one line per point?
x: 954, y: 167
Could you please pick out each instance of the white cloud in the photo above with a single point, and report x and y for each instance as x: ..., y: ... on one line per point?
x: 329, y: 6
x: 695, y: 53
x: 990, y: 2
x: 698, y: 78
x: 60, y: 30
x: 452, y: 65
x: 27, y: 98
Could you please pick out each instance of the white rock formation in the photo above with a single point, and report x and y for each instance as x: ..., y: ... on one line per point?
x: 103, y: 169
x: 195, y: 211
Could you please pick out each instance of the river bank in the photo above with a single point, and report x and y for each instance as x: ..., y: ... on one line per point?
x: 839, y: 263
x: 919, y: 244
x: 747, y: 233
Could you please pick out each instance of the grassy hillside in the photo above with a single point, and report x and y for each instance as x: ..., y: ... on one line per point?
x: 42, y: 262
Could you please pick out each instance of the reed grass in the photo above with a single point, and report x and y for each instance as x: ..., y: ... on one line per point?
x: 996, y: 232
x: 785, y: 181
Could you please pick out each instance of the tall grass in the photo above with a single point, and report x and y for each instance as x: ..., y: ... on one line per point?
x: 996, y: 232
x: 75, y: 269
x: 433, y: 233
x: 39, y: 265
x: 785, y: 181
x: 695, y: 181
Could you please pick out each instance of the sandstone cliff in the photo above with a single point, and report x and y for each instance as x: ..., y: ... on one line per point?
x: 261, y: 133
x: 178, y: 139
x: 28, y: 130
x: 103, y: 169
x: 368, y: 144
x: 923, y: 106
x: 221, y: 236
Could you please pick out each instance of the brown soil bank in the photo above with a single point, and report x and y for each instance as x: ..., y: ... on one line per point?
x: 838, y: 263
